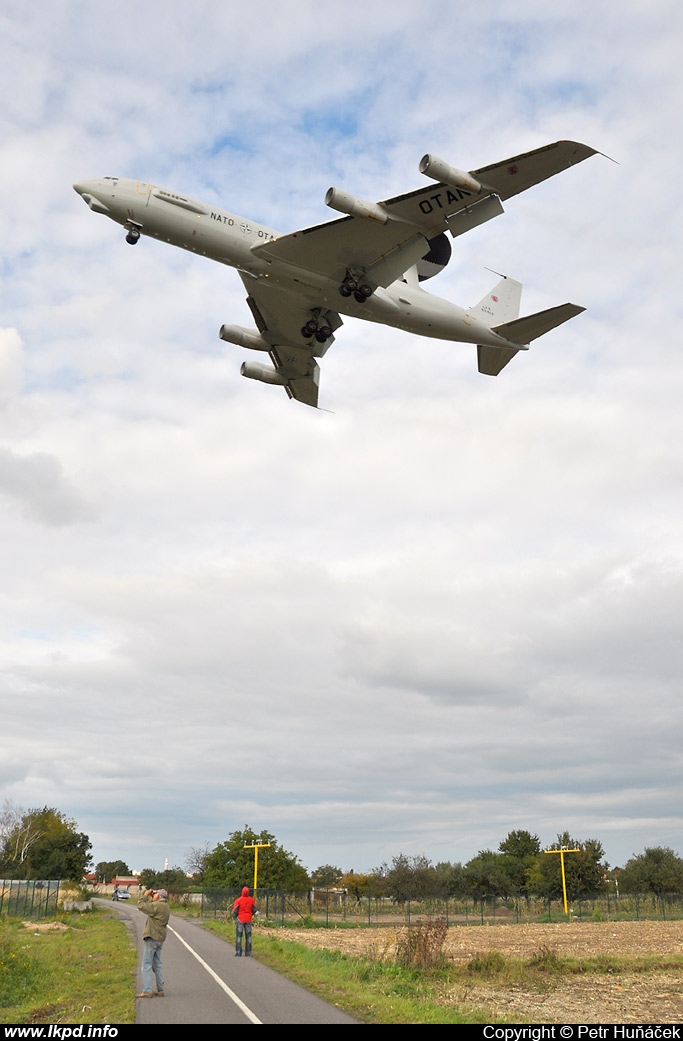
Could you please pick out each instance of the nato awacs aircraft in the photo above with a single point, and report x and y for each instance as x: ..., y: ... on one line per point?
x: 368, y: 264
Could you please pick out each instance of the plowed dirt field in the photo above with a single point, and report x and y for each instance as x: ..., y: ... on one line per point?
x: 619, y: 997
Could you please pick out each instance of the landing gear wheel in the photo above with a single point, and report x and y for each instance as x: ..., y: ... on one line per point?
x: 323, y: 334
x: 365, y: 290
x: 350, y: 283
x: 133, y: 236
x: 309, y: 329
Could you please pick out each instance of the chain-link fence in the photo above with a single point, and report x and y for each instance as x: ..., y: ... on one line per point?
x: 273, y: 904
x: 20, y: 899
x: 335, y: 906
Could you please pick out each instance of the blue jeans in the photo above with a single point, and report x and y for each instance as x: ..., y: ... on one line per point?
x: 151, y: 966
x: 243, y: 927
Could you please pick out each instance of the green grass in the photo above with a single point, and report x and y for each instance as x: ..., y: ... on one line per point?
x: 84, y: 973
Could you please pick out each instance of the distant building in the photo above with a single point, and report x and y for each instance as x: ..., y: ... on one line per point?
x: 124, y: 882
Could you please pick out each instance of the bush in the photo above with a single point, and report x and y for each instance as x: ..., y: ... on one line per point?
x: 492, y: 963
x: 420, y: 944
x: 546, y: 960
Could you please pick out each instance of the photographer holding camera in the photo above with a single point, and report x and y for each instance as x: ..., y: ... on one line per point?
x: 153, y: 903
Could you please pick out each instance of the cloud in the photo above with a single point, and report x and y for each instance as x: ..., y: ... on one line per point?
x: 37, y: 482
x: 441, y: 610
x: 11, y: 365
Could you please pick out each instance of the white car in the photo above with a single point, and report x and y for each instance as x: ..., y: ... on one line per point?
x: 121, y: 894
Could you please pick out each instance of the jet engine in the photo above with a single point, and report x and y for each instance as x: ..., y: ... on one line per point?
x: 253, y: 370
x: 340, y: 200
x: 242, y: 337
x: 438, y: 170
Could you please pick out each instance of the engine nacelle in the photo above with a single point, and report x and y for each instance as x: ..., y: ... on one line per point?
x: 242, y: 337
x: 253, y: 370
x: 438, y: 170
x: 339, y: 200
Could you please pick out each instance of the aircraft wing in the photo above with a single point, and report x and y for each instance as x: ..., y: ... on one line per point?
x: 432, y: 206
x: 279, y: 318
x: 385, y: 251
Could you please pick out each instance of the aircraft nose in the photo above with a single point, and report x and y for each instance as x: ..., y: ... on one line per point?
x: 89, y: 193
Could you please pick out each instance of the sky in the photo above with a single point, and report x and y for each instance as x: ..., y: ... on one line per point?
x: 441, y: 607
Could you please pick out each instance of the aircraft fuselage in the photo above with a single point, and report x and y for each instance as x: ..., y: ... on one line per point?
x: 227, y: 238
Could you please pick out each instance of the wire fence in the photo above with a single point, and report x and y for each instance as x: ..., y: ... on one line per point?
x: 28, y: 899
x: 337, y: 907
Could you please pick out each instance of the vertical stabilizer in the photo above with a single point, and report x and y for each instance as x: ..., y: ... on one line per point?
x: 501, y: 304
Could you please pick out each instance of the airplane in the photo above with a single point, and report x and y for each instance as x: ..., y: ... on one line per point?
x: 368, y: 264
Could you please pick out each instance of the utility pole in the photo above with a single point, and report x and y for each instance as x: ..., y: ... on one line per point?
x: 562, y: 852
x: 256, y: 846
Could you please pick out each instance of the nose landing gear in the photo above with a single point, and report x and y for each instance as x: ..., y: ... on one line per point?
x: 133, y: 230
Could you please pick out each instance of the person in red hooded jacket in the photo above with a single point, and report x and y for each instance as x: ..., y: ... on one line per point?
x: 243, y: 910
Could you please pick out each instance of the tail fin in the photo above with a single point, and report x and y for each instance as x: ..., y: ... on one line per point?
x: 501, y: 304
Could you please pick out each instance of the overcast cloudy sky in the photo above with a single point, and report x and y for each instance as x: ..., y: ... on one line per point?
x: 449, y: 606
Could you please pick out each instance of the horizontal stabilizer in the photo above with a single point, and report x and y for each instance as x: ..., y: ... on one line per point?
x: 523, y: 330
x: 492, y: 359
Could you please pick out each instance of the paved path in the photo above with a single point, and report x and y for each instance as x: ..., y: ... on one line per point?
x: 206, y: 983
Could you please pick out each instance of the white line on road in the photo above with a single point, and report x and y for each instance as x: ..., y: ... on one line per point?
x: 231, y: 994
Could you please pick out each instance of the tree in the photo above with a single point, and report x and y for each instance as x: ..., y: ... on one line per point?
x: 658, y: 870
x: 360, y: 885
x: 455, y: 879
x: 44, y: 844
x: 106, y: 870
x: 18, y: 832
x: 230, y: 865
x: 519, y: 850
x: 583, y: 870
x: 327, y: 876
x: 173, y: 880
x: 195, y: 862
x: 408, y: 878
x: 520, y: 845
x: 486, y: 876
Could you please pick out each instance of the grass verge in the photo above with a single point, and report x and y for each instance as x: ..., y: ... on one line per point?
x: 75, y: 968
